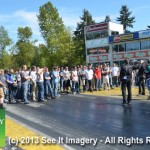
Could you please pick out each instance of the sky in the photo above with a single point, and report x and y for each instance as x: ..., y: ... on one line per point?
x: 21, y: 13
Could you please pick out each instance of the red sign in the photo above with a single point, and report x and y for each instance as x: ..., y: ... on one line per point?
x: 97, y: 27
x: 133, y: 54
x: 98, y: 58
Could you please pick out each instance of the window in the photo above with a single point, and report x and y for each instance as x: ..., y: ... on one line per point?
x: 115, y: 48
x: 145, y: 45
x: 133, y: 46
x: 89, y: 36
x: 121, y: 48
x: 103, y: 50
x: 92, y: 51
x: 118, y: 48
x: 100, y: 34
x: 114, y: 32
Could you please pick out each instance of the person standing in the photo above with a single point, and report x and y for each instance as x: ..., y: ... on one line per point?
x: 66, y: 83
x: 2, y: 88
x: 56, y: 76
x: 97, y: 74
x: 24, y: 83
x: 47, y: 85
x: 40, y: 84
x: 89, y: 76
x: 115, y: 74
x: 126, y: 81
x: 33, y: 75
x: 147, y: 73
x: 105, y: 73
x: 75, y: 81
x: 141, y: 78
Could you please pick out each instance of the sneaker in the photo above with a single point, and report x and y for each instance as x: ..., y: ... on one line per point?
x: 143, y: 93
x: 53, y: 97
x: 58, y: 95
x: 139, y: 95
x: 5, y: 101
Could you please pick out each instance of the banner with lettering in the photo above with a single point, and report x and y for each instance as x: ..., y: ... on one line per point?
x: 98, y: 58
x: 123, y: 37
x: 2, y: 128
x: 130, y: 55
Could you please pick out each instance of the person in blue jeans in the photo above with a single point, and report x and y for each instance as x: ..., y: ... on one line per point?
x: 24, y: 83
x: 55, y: 75
x: 47, y: 85
x: 40, y: 85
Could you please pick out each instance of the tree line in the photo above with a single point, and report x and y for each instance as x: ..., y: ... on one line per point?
x: 61, y: 45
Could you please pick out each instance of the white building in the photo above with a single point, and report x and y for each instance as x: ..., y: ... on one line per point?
x: 98, y: 49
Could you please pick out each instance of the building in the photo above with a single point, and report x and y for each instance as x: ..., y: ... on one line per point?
x: 98, y: 49
x: 134, y: 45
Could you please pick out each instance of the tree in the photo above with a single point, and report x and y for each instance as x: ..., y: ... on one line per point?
x: 24, y: 34
x: 125, y: 18
x: 107, y: 18
x: 58, y: 38
x: 4, y: 42
x: 51, y: 26
x: 24, y: 50
x: 148, y: 27
x: 79, y: 40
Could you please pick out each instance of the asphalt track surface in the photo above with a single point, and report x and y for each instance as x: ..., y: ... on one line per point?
x: 79, y: 116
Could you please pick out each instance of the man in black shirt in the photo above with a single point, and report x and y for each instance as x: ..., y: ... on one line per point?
x: 126, y: 81
x: 141, y: 78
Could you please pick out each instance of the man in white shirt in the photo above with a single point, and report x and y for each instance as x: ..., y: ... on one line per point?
x: 115, y: 74
x: 66, y: 84
x: 33, y: 75
x: 89, y: 76
x: 75, y: 84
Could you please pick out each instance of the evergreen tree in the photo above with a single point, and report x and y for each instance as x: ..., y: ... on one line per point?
x: 107, y: 18
x: 125, y: 18
x: 86, y: 20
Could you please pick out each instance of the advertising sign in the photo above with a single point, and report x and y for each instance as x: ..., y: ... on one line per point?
x: 124, y: 37
x: 98, y: 58
x: 144, y: 34
x: 2, y: 128
x: 130, y: 55
x: 96, y: 27
x: 97, y: 43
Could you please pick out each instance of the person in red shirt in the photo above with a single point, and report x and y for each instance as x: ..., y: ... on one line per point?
x: 97, y: 75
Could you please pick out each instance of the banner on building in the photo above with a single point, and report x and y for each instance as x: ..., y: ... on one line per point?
x: 123, y: 37
x: 131, y: 55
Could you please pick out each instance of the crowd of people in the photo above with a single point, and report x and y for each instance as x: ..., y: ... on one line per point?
x: 40, y: 84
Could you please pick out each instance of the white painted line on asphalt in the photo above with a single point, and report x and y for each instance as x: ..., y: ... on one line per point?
x: 40, y: 133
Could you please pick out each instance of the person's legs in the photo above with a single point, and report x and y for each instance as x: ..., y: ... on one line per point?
x: 1, y: 98
x: 25, y: 92
x: 50, y: 90
x: 129, y: 83
x: 123, y: 88
x: 55, y: 89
